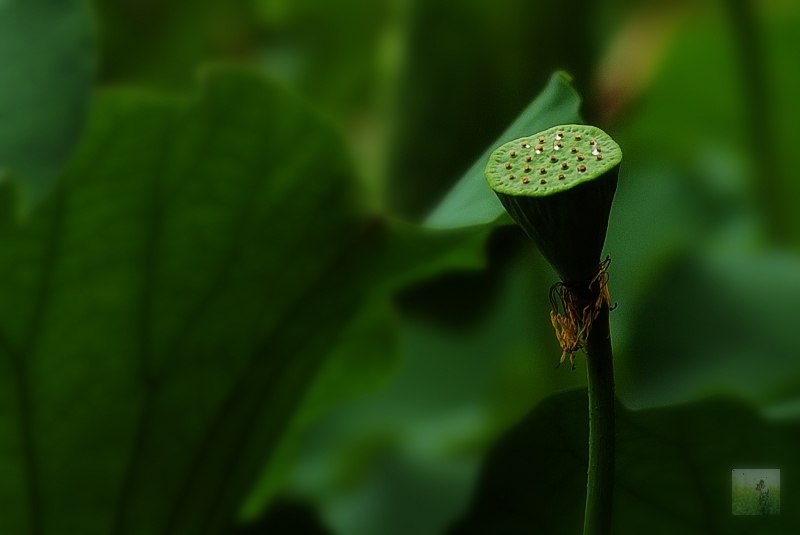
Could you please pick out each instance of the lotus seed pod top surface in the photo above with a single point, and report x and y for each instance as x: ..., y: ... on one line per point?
x: 551, y: 161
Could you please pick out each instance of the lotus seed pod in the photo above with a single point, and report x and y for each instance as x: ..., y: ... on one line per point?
x: 566, y: 212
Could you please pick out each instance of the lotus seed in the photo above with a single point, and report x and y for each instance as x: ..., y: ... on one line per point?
x: 543, y: 181
x: 528, y: 158
x: 578, y: 137
x: 557, y: 145
x: 592, y: 141
x: 580, y: 157
x: 582, y: 168
x: 527, y: 168
x: 511, y: 177
x: 573, y: 150
x: 553, y: 159
x: 599, y: 157
x: 525, y: 180
x: 526, y: 145
x: 539, y: 149
x: 513, y: 154
x: 508, y: 165
x: 559, y: 135
x: 542, y: 170
x: 564, y: 165
x: 562, y: 177
x: 541, y: 140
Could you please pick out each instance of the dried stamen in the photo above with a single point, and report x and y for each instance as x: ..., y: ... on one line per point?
x: 573, y: 311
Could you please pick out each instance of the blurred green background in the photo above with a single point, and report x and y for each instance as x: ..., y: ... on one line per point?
x: 253, y: 281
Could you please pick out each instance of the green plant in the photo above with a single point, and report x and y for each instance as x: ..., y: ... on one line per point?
x: 558, y: 185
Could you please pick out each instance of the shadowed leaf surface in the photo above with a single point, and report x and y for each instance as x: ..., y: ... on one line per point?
x: 673, y: 470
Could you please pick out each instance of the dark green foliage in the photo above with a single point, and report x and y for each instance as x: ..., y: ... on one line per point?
x: 673, y: 470
x: 374, y: 411
x: 47, y: 59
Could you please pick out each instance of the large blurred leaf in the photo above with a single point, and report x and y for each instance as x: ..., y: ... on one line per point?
x: 673, y: 470
x: 724, y: 322
x: 165, y: 312
x: 46, y: 75
x: 471, y: 201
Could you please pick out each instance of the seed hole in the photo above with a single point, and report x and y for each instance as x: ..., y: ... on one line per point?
x: 562, y: 177
x: 582, y: 168
x: 513, y: 154
x: 526, y: 145
x: 527, y: 168
x: 511, y: 177
x: 559, y: 135
x: 592, y: 142
x: 580, y: 157
x: 508, y: 165
x: 573, y: 150
x: 599, y: 157
x: 528, y: 158
x: 578, y: 137
x: 543, y: 181
x: 542, y: 171
x: 525, y: 180
x: 557, y: 145
x: 564, y: 165
x: 553, y: 159
x: 541, y: 140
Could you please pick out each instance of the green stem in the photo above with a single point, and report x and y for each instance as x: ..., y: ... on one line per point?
x: 600, y: 372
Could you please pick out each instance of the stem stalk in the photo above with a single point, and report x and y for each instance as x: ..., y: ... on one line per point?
x: 602, y: 426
